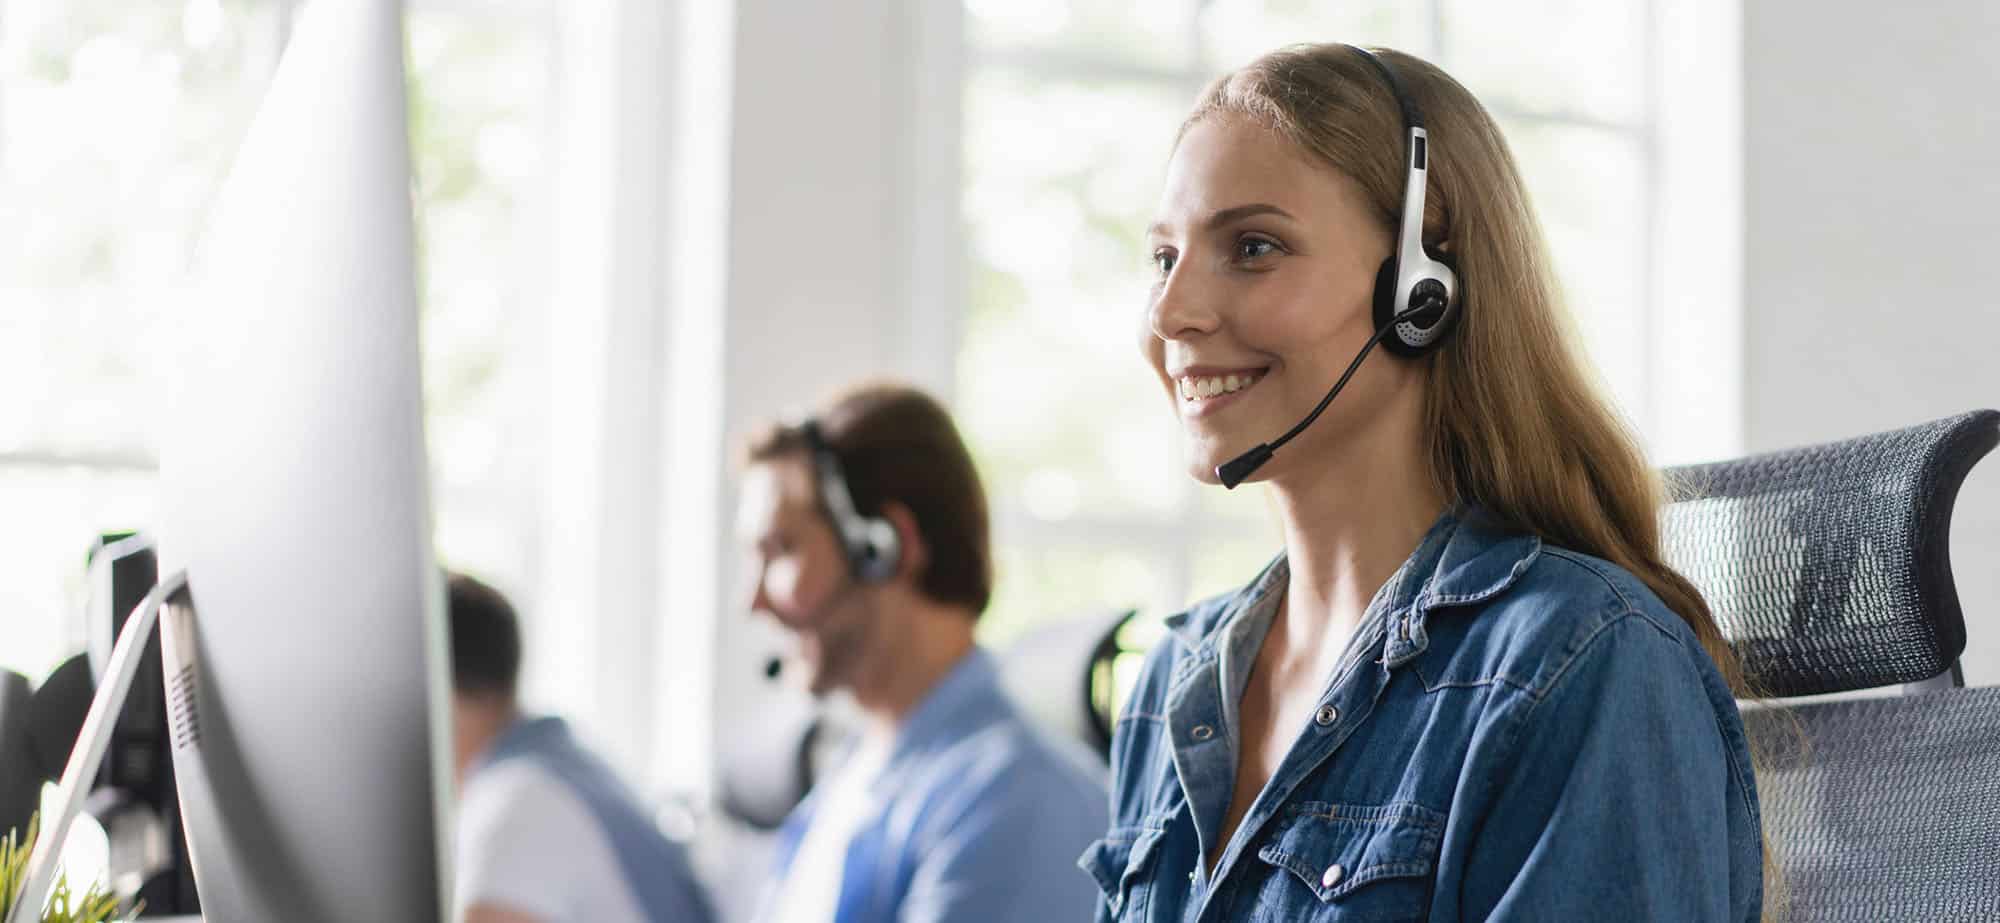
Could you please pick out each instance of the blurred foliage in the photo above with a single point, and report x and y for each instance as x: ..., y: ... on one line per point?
x: 94, y: 906
x: 118, y: 123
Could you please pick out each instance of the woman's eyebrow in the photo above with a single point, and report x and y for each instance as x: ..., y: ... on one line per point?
x: 1227, y: 216
x: 1240, y: 212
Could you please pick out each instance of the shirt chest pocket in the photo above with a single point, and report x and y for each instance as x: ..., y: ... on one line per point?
x: 1351, y: 862
x: 1123, y: 864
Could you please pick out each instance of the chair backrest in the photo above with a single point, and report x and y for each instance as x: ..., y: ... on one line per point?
x: 1829, y: 567
x: 1884, y: 810
x: 1829, y: 570
x: 1053, y: 673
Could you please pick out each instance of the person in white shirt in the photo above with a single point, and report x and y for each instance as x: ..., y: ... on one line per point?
x: 546, y: 832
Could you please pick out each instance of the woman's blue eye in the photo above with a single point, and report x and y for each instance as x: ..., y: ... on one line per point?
x: 1250, y: 248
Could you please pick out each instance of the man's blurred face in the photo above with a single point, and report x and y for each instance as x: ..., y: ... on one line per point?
x: 466, y: 739
x: 477, y: 719
x: 800, y: 576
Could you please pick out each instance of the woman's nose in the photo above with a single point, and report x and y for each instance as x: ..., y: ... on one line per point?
x: 1181, y: 308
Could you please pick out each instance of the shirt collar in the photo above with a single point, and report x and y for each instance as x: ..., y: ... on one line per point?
x: 525, y: 736
x: 1472, y: 558
x: 1197, y: 633
x: 967, y: 696
x: 1466, y: 557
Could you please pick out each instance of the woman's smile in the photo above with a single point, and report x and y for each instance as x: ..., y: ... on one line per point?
x: 1205, y: 390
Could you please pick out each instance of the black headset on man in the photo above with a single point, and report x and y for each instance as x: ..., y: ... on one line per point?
x: 869, y: 543
x: 1416, y: 294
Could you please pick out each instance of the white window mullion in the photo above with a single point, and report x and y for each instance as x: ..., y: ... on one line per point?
x: 1698, y: 319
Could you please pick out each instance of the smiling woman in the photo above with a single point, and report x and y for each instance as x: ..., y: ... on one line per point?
x: 1068, y: 107
x: 1428, y: 698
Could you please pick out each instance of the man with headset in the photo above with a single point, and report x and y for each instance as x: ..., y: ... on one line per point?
x: 866, y: 529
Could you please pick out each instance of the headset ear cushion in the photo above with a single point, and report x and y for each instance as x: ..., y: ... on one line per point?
x: 1385, y: 292
x: 1385, y: 308
x: 880, y: 553
x: 1436, y: 322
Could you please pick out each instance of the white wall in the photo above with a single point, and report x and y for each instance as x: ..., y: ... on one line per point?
x: 606, y: 342
x: 814, y: 238
x: 1872, y: 224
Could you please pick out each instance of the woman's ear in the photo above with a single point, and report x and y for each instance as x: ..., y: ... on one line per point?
x: 916, y: 555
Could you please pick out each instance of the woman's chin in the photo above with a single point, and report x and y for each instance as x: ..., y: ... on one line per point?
x: 1210, y: 443
x: 1203, y: 472
x: 1206, y: 455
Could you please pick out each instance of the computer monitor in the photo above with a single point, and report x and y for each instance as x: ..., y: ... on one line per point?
x: 306, y: 664
x: 133, y: 798
x: 304, y: 654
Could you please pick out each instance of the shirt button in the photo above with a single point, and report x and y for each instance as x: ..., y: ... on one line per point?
x: 1326, y: 717
x: 1202, y: 732
x: 1332, y: 876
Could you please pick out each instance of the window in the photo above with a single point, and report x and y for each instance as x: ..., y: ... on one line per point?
x: 117, y: 124
x: 481, y: 90
x: 1070, y: 108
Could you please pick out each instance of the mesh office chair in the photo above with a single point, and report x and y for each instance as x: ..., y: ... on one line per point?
x: 1829, y: 570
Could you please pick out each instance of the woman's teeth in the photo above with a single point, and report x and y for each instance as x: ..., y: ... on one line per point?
x: 1203, y: 388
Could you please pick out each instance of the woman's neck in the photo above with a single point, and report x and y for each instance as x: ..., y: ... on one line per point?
x: 1350, y: 519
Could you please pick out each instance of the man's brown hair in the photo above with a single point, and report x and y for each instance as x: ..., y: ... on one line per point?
x: 896, y: 443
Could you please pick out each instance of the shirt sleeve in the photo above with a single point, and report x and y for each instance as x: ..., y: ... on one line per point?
x: 516, y: 825
x: 1011, y: 856
x: 1613, y: 800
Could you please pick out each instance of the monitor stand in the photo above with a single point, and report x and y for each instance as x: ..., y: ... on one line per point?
x: 81, y: 770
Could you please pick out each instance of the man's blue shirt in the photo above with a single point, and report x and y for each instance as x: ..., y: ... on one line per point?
x: 975, y: 817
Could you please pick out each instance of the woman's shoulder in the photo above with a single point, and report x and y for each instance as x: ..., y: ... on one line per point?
x: 1585, y: 643
x: 1569, y: 610
x: 1570, y: 591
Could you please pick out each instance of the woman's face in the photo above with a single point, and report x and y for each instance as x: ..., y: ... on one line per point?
x: 1266, y: 265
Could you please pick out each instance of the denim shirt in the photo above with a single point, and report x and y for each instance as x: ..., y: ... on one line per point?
x: 978, y: 817
x: 1520, y: 732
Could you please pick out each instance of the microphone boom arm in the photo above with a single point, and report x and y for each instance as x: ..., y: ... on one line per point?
x: 1233, y: 471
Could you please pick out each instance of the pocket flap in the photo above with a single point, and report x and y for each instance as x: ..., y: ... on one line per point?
x: 1335, y: 849
x: 1117, y: 858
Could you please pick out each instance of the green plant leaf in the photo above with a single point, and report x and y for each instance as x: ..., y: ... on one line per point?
x: 95, y: 906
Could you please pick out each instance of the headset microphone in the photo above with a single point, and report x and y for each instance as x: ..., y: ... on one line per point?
x: 774, y: 664
x: 1233, y: 471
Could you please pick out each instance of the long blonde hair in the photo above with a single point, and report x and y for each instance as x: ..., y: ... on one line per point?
x: 1515, y: 420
